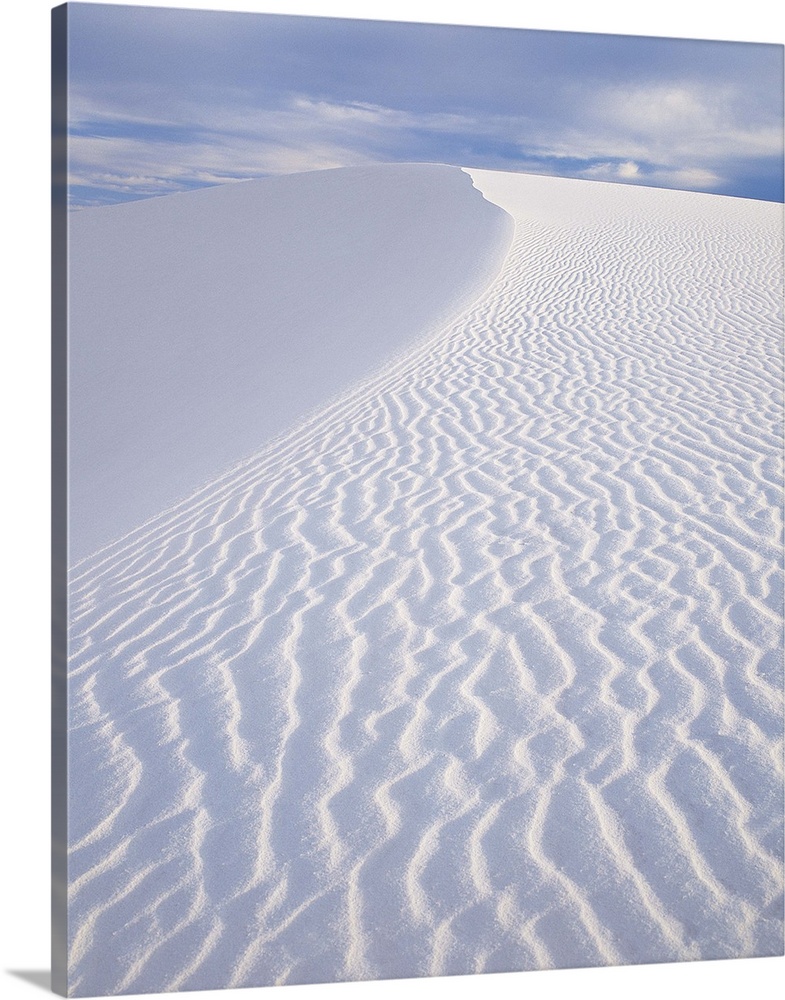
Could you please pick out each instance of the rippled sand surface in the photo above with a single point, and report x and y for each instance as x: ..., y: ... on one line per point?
x: 480, y: 667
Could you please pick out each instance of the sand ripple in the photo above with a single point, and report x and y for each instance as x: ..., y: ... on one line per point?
x: 481, y: 669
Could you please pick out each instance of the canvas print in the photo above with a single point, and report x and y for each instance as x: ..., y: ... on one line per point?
x: 418, y: 500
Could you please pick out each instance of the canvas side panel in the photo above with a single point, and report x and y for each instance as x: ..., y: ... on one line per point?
x: 59, y: 496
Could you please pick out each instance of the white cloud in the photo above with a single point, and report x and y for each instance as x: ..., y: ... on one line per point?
x: 146, y: 167
x: 676, y: 122
x: 628, y: 169
x: 690, y: 178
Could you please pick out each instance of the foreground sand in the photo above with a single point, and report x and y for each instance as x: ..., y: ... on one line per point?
x: 480, y: 667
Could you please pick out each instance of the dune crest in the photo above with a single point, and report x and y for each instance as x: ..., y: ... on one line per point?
x: 481, y: 668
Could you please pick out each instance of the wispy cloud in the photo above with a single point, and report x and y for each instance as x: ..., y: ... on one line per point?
x: 629, y: 172
x: 680, y: 120
x: 130, y: 154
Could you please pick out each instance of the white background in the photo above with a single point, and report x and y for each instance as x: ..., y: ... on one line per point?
x: 24, y: 512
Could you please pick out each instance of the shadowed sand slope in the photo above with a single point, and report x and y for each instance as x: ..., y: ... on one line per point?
x: 478, y: 670
x: 203, y: 324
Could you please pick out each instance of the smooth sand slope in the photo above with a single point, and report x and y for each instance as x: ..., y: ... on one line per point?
x: 480, y: 667
x: 203, y: 324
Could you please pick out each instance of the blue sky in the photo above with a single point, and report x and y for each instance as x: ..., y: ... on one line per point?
x: 168, y: 100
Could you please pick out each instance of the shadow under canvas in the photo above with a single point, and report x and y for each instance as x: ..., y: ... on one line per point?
x: 38, y: 977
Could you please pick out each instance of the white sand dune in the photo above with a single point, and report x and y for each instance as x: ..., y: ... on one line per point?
x: 477, y: 669
x: 207, y: 322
